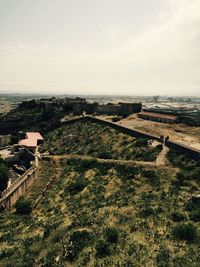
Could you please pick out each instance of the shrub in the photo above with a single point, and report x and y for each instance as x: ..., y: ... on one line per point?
x: 162, y: 258
x: 141, y: 142
x: 77, y: 186
x: 178, y: 217
x: 187, y: 232
x: 193, y: 203
x: 195, y: 215
x: 115, y: 119
x: 146, y: 212
x: 102, y: 249
x: 111, y: 235
x: 23, y: 206
x: 76, y: 243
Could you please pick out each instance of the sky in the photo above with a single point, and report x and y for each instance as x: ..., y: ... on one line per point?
x: 124, y: 47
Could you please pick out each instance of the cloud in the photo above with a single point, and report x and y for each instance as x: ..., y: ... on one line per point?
x: 164, y: 55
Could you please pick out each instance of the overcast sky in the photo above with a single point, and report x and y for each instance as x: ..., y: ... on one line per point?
x: 137, y: 47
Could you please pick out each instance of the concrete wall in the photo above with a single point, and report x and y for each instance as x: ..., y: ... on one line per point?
x: 18, y: 188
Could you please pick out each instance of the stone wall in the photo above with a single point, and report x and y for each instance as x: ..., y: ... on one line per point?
x: 109, y: 109
x: 185, y: 150
x: 18, y: 188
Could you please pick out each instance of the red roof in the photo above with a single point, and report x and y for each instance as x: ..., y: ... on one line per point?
x: 28, y: 142
x: 31, y: 140
x: 34, y: 135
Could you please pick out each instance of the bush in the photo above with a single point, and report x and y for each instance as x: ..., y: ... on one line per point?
x: 195, y: 215
x: 111, y: 235
x: 141, y: 142
x: 23, y: 206
x: 178, y: 217
x: 76, y: 243
x: 146, y: 212
x: 76, y: 186
x: 187, y: 232
x: 102, y: 249
x: 115, y: 119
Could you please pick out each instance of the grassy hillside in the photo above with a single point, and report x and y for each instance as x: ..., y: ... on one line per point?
x: 87, y: 138
x: 103, y: 214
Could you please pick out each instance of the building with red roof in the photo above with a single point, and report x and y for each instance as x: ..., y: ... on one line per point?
x: 33, y: 139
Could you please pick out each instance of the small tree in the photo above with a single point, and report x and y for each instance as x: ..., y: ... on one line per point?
x: 23, y: 206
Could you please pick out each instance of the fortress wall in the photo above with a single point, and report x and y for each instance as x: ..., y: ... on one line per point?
x: 131, y: 132
x: 185, y: 150
x: 18, y: 188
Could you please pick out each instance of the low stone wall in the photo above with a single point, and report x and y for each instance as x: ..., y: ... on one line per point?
x: 185, y: 150
x: 131, y: 132
x: 18, y: 188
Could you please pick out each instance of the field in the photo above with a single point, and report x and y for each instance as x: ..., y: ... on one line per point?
x: 103, y: 215
x: 106, y: 211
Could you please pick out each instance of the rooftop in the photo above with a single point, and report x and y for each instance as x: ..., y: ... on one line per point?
x: 31, y: 140
x: 34, y: 135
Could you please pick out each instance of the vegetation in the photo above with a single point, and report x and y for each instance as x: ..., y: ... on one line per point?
x: 86, y: 138
x: 116, y: 118
x: 3, y: 175
x: 23, y: 206
x: 103, y: 214
x: 41, y: 118
x: 182, y: 161
x: 186, y: 232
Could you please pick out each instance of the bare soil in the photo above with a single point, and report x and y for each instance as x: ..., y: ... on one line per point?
x: 181, y: 133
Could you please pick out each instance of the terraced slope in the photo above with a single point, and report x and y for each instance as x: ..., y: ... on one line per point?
x: 87, y: 138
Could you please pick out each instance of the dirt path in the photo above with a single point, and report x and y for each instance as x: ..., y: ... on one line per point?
x: 161, y: 159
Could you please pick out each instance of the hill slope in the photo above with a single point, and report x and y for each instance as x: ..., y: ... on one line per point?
x: 103, y: 214
x: 87, y: 138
